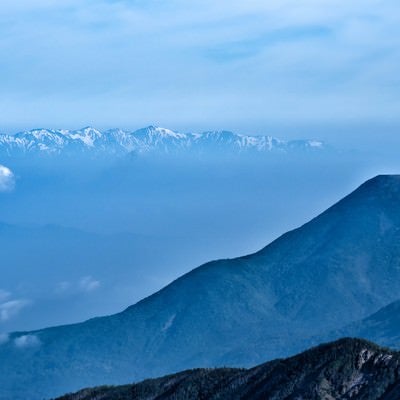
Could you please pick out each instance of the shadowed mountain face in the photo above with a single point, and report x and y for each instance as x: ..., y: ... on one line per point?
x: 334, y: 270
x: 346, y: 369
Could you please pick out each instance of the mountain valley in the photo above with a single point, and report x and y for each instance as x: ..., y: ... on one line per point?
x: 337, y: 269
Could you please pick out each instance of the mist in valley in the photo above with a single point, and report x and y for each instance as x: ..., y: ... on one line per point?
x: 91, y: 236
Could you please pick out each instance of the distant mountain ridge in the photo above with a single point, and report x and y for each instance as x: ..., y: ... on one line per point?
x: 382, y: 327
x: 342, y: 370
x: 117, y: 142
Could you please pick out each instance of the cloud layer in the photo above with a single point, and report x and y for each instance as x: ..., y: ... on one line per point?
x: 111, y: 62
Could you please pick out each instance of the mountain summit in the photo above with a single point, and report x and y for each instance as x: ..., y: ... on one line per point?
x: 336, y: 269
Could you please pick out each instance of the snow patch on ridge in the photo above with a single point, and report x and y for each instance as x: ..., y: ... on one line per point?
x: 150, y: 139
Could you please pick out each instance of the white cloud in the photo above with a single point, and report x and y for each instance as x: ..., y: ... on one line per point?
x: 26, y: 341
x: 88, y: 284
x: 85, y: 284
x: 11, y: 308
x: 7, y: 179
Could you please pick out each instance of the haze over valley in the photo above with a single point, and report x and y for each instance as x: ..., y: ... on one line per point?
x: 199, y: 200
x: 89, y: 217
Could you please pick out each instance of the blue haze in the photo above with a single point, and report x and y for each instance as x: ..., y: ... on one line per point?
x: 91, y: 237
x: 288, y: 69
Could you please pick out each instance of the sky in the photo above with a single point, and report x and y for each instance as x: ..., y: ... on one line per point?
x: 242, y: 65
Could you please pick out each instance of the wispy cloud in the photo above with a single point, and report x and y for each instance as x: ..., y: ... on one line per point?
x: 85, y: 284
x: 88, y: 284
x: 9, y: 306
x: 132, y: 62
x: 12, y: 308
x: 252, y: 47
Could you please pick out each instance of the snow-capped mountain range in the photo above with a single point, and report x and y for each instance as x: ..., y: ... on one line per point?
x: 150, y: 139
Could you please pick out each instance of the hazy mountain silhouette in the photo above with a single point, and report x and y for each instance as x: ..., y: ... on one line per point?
x: 382, y: 327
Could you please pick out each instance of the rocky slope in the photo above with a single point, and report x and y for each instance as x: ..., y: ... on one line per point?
x: 345, y: 369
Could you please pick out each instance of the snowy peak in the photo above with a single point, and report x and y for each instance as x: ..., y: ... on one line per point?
x: 151, y: 139
x: 159, y: 139
x: 155, y: 131
x: 87, y: 135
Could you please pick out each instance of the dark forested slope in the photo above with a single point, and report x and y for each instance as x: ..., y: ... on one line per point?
x: 345, y: 369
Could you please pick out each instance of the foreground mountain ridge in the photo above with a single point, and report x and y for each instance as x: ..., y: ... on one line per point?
x: 336, y: 269
x: 345, y: 369
x: 151, y: 139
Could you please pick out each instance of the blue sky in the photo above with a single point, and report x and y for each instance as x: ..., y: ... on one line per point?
x: 242, y: 65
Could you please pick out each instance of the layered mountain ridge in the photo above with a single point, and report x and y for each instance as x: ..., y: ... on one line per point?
x: 336, y: 269
x: 382, y: 326
x: 117, y: 142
